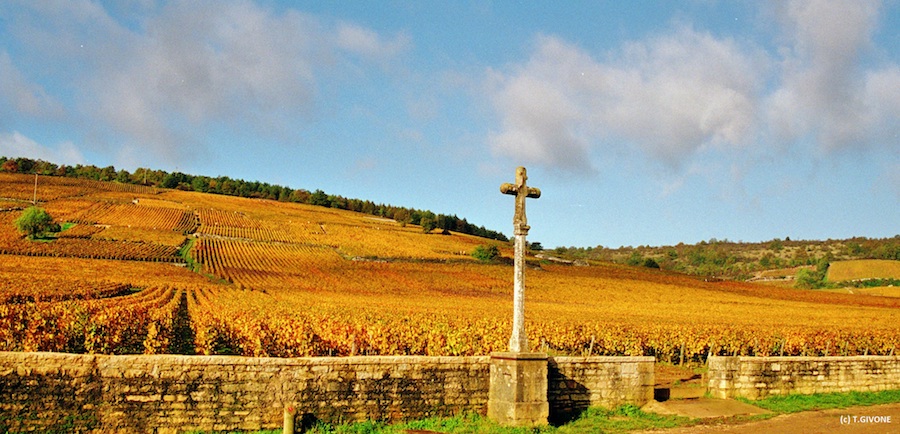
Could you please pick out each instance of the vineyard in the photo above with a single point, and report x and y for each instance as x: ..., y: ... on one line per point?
x: 864, y: 269
x: 141, y: 270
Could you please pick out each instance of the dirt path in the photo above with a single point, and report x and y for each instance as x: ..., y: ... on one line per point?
x: 854, y: 420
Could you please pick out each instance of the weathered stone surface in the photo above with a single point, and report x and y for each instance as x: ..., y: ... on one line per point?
x: 518, y: 389
x: 576, y: 383
x: 91, y: 393
x: 518, y: 341
x: 758, y: 377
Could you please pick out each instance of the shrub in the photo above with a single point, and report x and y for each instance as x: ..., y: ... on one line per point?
x: 651, y: 263
x: 35, y: 223
x: 486, y: 253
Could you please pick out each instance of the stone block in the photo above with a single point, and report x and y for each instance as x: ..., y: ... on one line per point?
x: 518, y: 389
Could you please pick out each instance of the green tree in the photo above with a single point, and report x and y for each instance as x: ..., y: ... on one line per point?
x: 319, y: 198
x: 428, y: 224
x: 808, y: 279
x: 486, y: 253
x: 402, y: 217
x: 35, y: 223
x: 428, y: 221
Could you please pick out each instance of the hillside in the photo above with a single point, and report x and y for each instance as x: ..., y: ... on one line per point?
x: 145, y: 269
x: 740, y: 260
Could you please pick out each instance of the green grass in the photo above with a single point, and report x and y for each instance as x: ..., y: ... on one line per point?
x: 824, y: 401
x: 601, y: 421
x: 594, y: 420
x: 185, y: 253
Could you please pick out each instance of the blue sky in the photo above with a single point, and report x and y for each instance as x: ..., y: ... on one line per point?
x: 643, y: 123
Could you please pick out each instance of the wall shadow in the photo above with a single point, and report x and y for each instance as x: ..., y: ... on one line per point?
x: 567, y: 397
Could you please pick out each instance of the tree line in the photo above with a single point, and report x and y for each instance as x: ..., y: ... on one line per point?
x: 740, y: 260
x: 251, y: 189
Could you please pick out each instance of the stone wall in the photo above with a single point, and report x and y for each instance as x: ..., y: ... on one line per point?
x: 576, y: 383
x: 168, y: 393
x: 758, y: 377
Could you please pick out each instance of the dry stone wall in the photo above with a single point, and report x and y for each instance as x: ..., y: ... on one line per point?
x: 759, y: 377
x: 576, y: 383
x: 169, y: 393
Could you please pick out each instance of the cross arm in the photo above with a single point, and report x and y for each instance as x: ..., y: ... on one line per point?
x: 513, y: 190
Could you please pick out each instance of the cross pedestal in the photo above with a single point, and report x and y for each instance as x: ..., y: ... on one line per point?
x: 518, y: 390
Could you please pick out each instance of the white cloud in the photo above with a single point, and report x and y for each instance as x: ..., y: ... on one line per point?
x: 367, y: 43
x: 15, y: 145
x: 882, y: 99
x: 824, y: 89
x: 19, y: 95
x: 685, y: 94
x: 670, y: 96
x: 160, y: 83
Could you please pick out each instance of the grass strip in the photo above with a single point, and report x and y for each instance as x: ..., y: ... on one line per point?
x: 824, y: 401
x: 593, y: 420
x: 185, y: 253
x: 624, y: 419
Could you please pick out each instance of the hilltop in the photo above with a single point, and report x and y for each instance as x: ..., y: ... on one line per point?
x: 224, y: 185
x: 148, y: 270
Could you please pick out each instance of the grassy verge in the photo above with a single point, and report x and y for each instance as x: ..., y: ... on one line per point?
x: 185, y: 253
x: 191, y: 264
x: 594, y: 420
x: 598, y: 420
x: 825, y: 401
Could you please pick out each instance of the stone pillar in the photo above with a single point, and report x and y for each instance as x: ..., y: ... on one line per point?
x: 518, y: 341
x: 518, y: 391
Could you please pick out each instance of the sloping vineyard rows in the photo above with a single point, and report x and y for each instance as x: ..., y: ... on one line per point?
x: 81, y: 231
x: 264, y: 265
x: 239, y: 226
x: 250, y: 234
x: 140, y: 235
x: 252, y: 323
x: 91, y: 249
x: 679, y: 342
x: 390, y: 241
x: 134, y: 324
x: 94, y: 272
x: 21, y: 187
x: 12, y: 205
x: 131, y: 215
x: 234, y: 219
x: 47, y: 288
x: 125, y: 188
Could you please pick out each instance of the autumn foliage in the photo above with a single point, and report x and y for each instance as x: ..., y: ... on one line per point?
x: 267, y: 278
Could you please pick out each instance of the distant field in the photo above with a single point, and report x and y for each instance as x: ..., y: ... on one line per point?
x: 863, y: 269
x: 227, y: 275
x: 883, y: 291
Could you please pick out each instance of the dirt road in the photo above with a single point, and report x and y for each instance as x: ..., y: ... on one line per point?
x: 879, y: 419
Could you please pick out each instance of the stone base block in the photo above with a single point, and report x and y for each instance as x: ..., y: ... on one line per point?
x: 518, y: 390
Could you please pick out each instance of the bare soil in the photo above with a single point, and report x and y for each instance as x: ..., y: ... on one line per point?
x: 823, y: 421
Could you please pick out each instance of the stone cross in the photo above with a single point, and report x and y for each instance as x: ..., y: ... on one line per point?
x: 518, y: 342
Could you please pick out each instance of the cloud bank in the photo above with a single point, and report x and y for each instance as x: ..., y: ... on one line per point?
x: 18, y: 95
x: 184, y: 66
x: 15, y: 145
x: 679, y: 95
